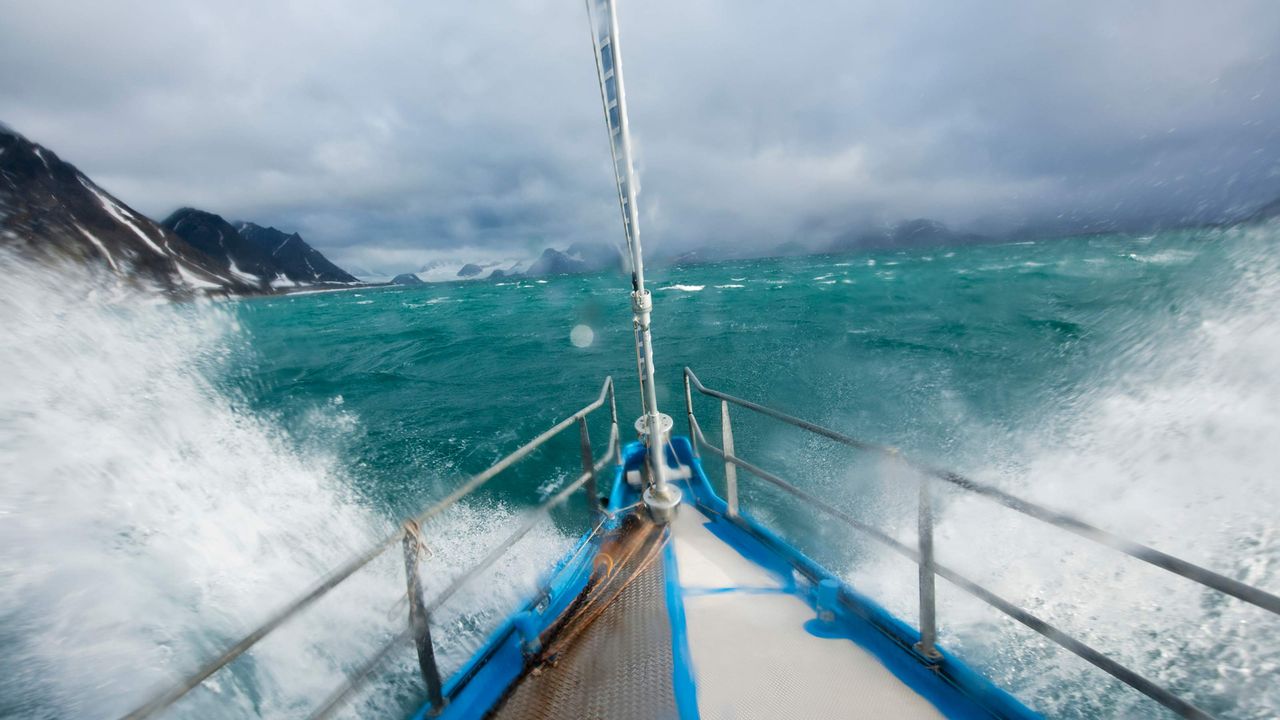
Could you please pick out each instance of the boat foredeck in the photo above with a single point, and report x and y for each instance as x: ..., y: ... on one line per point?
x: 680, y: 622
x: 757, y: 649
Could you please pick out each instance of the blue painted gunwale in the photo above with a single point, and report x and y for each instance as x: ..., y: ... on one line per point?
x: 949, y: 684
x: 954, y: 688
x: 476, y: 687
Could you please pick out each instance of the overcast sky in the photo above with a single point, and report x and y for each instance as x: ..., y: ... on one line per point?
x: 391, y: 132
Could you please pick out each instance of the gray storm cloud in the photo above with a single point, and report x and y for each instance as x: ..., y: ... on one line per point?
x: 384, y: 131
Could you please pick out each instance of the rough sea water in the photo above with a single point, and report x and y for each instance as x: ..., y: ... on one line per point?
x: 170, y: 473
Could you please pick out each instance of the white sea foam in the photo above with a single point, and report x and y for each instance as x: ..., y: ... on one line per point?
x: 1180, y: 451
x: 147, y: 519
x: 1164, y: 257
x: 730, y: 285
x: 684, y: 288
x: 322, y: 291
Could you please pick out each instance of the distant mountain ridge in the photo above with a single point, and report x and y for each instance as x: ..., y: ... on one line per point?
x: 407, y: 279
x: 292, y: 256
x: 265, y: 256
x: 219, y: 240
x: 51, y: 211
x: 580, y: 257
x: 577, y: 258
x: 918, y: 233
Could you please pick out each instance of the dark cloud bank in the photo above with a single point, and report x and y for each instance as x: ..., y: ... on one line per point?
x: 388, y: 133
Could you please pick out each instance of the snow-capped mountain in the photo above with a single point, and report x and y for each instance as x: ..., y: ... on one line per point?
x: 293, y: 257
x: 259, y: 255
x: 51, y: 211
x: 445, y: 269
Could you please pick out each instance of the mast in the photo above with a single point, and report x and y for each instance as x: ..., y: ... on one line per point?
x: 660, y: 497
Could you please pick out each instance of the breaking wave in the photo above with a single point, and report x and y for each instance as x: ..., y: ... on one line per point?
x: 148, y: 519
x: 1179, y: 448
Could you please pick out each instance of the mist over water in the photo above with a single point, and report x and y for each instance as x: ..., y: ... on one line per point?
x: 172, y: 473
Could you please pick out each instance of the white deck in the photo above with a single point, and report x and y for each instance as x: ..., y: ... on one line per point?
x: 751, y: 655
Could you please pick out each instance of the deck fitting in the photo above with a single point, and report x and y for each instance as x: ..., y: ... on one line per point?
x: 662, y: 503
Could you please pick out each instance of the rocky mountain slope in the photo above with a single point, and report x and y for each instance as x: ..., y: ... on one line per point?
x: 262, y: 256
x: 577, y: 258
x: 919, y: 233
x: 217, y: 238
x: 50, y: 211
x: 292, y: 257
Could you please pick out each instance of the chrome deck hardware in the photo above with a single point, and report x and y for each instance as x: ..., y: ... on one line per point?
x: 420, y: 617
x: 661, y: 497
x: 923, y: 553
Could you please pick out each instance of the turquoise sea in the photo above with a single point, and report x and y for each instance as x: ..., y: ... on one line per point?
x: 176, y: 471
x: 939, y: 351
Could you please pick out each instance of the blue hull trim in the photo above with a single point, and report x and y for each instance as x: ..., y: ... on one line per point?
x: 682, y: 681
x: 950, y: 685
x: 475, y: 688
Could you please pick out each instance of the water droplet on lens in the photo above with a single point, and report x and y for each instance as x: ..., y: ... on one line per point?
x: 582, y: 336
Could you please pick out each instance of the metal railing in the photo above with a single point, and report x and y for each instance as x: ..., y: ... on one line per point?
x: 409, y: 537
x: 923, y: 553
